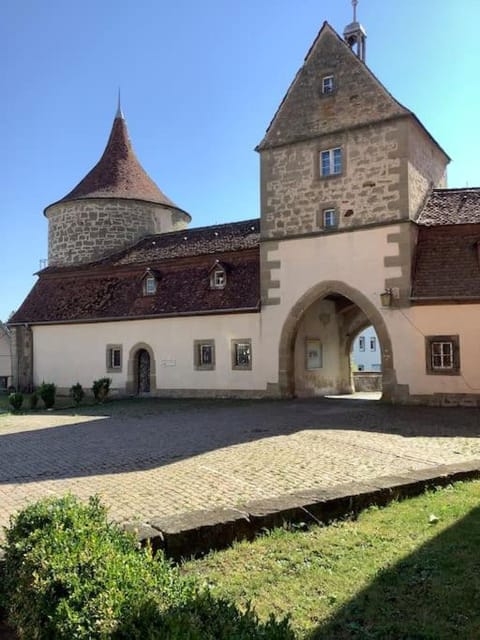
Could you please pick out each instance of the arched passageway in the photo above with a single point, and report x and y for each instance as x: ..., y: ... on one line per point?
x: 316, y: 342
x: 141, y: 370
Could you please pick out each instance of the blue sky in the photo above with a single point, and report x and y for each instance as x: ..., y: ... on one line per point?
x: 200, y: 82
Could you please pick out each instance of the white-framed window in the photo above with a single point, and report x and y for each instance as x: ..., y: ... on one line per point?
x: 373, y: 343
x: 204, y: 355
x: 149, y: 285
x: 361, y: 343
x: 114, y: 357
x: 242, y: 354
x: 328, y: 84
x: 329, y: 218
x: 313, y: 354
x: 331, y: 162
x: 218, y: 278
x: 443, y: 355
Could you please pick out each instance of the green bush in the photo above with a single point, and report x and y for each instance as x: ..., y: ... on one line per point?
x: 100, y: 388
x: 71, y: 574
x: 77, y: 393
x: 33, y: 401
x: 47, y: 391
x: 16, y: 400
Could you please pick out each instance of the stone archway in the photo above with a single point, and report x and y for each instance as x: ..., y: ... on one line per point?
x: 141, y: 373
x: 370, y: 315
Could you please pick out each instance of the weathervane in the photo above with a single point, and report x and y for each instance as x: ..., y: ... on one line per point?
x: 354, y: 4
x: 119, y: 113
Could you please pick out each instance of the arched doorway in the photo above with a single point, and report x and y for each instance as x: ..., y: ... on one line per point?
x: 141, y: 370
x: 316, y: 341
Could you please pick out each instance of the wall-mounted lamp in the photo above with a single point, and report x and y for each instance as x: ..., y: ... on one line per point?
x: 386, y: 298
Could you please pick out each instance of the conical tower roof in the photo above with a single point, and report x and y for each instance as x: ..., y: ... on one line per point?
x: 118, y: 173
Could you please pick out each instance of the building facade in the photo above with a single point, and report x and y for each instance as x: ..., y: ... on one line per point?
x: 5, y: 358
x: 356, y: 228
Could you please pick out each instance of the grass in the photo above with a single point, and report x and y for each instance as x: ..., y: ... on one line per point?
x: 408, y: 571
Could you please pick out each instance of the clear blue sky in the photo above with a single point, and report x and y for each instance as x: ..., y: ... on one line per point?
x: 200, y: 82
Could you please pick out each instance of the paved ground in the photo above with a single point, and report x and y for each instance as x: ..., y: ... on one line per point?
x: 150, y: 458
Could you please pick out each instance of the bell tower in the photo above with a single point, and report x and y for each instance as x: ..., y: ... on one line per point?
x: 355, y: 35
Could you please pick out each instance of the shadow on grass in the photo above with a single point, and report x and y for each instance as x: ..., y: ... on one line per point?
x: 432, y: 594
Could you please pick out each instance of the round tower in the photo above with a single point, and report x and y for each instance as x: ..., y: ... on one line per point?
x: 114, y: 205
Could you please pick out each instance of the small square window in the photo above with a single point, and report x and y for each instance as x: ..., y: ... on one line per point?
x: 242, y: 354
x: 328, y: 84
x: 114, y: 358
x: 204, y: 355
x: 331, y: 162
x: 329, y: 218
x: 442, y: 355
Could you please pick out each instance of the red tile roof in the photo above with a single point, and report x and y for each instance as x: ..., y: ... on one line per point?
x: 112, y: 288
x: 118, y: 173
x: 447, y: 263
x: 451, y: 206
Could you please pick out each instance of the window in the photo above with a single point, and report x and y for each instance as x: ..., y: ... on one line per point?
x: 373, y: 343
x: 329, y: 218
x: 242, y: 354
x: 218, y: 276
x: 361, y: 343
x: 149, y: 284
x: 327, y: 84
x: 331, y: 162
x: 114, y: 358
x: 443, y: 355
x: 204, y: 355
x: 313, y: 350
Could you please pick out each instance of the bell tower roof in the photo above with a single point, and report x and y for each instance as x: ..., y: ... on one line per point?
x: 118, y: 173
x: 355, y: 34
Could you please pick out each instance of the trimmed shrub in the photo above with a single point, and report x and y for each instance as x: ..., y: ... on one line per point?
x: 33, y: 401
x: 16, y: 400
x: 100, y: 388
x: 47, y: 391
x: 77, y: 393
x: 69, y: 573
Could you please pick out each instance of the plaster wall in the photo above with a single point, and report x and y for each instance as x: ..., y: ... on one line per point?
x: 355, y: 259
x: 409, y: 328
x: 65, y: 354
x: 320, y: 323
x: 5, y: 355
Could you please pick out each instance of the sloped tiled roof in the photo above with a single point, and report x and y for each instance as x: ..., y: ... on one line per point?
x: 118, y: 173
x: 451, y: 206
x: 447, y: 263
x: 112, y: 288
x: 233, y: 236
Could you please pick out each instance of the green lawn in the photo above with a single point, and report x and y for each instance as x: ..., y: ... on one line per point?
x: 408, y: 571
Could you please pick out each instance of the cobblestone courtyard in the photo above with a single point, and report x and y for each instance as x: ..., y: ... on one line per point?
x: 153, y: 457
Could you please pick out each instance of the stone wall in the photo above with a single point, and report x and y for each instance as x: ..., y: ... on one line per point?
x: 371, y: 189
x: 85, y: 230
x: 22, y: 358
x: 426, y: 168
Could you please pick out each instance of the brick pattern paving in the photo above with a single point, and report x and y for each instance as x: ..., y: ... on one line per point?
x: 150, y: 459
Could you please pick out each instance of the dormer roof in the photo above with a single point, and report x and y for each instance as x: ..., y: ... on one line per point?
x: 118, y: 173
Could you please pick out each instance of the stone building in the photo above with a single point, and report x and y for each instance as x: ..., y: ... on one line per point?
x: 356, y: 228
x: 5, y: 358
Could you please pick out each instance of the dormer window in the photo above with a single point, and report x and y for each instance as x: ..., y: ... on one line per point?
x: 218, y: 276
x: 328, y: 85
x: 149, y: 284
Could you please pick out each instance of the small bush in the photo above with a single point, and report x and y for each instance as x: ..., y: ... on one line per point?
x: 77, y: 393
x: 47, y: 391
x: 16, y: 400
x: 33, y: 401
x: 100, y: 388
x: 69, y: 573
